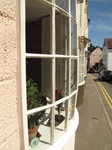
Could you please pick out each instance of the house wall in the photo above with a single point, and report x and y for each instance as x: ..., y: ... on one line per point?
x: 110, y: 59
x: 107, y: 57
x: 9, y: 128
x: 104, y: 55
x: 95, y: 56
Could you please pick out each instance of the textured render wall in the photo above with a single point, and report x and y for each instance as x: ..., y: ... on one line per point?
x: 9, y: 129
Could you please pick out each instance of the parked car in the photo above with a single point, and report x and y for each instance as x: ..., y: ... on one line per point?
x: 105, y: 75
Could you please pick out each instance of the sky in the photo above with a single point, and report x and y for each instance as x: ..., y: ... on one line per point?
x: 100, y: 15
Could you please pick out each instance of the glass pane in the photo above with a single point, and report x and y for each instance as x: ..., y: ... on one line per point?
x: 59, y: 120
x: 81, y: 64
x: 72, y: 107
x: 63, y: 4
x: 38, y: 73
x: 49, y: 0
x: 62, y: 75
x: 62, y: 34
x: 73, y: 38
x: 80, y: 78
x: 73, y: 75
x: 37, y: 27
x: 39, y: 130
x: 73, y: 8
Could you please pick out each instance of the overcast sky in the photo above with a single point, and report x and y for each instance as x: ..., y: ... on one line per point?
x: 100, y: 15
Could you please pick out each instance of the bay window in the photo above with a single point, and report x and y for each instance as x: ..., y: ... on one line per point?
x: 48, y: 69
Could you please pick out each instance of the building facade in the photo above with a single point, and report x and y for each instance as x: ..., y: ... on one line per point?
x: 39, y: 42
x: 83, y: 40
x: 107, y: 53
x: 95, y: 59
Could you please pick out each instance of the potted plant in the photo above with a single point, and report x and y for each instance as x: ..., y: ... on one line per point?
x: 35, y: 99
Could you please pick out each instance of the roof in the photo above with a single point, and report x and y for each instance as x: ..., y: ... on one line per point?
x: 108, y: 41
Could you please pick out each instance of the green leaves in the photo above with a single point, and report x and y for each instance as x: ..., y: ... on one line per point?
x: 34, y: 100
x: 33, y: 94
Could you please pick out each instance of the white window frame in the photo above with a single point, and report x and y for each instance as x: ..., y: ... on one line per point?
x: 52, y: 56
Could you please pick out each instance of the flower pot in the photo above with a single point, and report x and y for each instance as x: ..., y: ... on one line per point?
x: 32, y: 132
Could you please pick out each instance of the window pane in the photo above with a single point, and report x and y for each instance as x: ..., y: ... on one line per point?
x: 63, y: 4
x: 81, y: 65
x: 37, y: 27
x: 62, y: 75
x: 73, y: 9
x: 80, y: 78
x: 38, y: 82
x: 59, y: 120
x: 73, y: 38
x: 61, y: 34
x: 39, y: 130
x: 72, y: 107
x: 73, y: 75
x: 49, y: 0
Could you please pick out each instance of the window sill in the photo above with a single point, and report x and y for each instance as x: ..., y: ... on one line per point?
x: 81, y: 83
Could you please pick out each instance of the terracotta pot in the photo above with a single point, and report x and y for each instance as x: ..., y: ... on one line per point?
x: 32, y: 132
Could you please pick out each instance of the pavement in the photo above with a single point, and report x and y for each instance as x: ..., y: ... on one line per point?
x: 94, y: 131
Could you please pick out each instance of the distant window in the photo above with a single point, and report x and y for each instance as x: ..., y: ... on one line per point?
x: 81, y: 65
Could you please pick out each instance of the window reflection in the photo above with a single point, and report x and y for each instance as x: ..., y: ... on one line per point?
x: 49, y: 0
x: 81, y: 65
x: 61, y: 34
x: 37, y: 27
x: 73, y: 75
x: 62, y: 75
x: 73, y: 9
x: 73, y: 38
x: 72, y: 107
x: 38, y: 81
x: 63, y: 4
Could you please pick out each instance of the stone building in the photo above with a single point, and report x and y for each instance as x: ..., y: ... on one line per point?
x: 83, y: 40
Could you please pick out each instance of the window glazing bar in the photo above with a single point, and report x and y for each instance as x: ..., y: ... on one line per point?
x: 52, y: 41
x: 35, y: 110
x: 23, y: 73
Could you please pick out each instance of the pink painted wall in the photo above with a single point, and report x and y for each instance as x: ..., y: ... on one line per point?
x: 9, y: 128
x: 95, y: 56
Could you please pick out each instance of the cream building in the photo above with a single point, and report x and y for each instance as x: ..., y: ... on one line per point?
x: 82, y: 20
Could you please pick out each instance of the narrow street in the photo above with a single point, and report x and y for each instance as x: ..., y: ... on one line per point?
x: 105, y: 90
x: 94, y: 131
